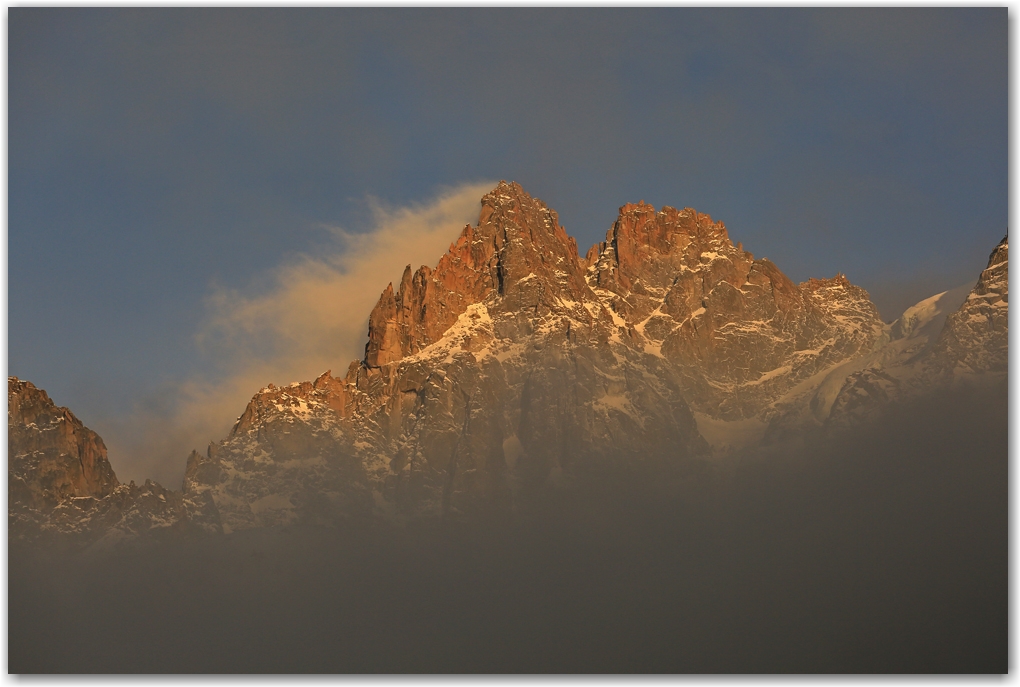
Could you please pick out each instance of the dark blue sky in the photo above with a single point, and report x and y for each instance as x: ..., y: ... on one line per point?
x: 156, y: 155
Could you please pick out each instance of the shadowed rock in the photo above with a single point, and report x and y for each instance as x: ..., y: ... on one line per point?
x: 60, y: 481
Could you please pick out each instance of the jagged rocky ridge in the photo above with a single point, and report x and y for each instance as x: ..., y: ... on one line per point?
x: 516, y: 365
x: 972, y: 347
x: 497, y: 373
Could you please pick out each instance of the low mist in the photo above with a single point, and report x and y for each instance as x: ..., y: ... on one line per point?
x: 884, y: 550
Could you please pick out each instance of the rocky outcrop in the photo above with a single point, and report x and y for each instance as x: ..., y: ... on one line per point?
x: 51, y: 456
x: 60, y: 481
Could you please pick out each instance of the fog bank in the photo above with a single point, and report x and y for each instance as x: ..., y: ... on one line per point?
x: 882, y: 551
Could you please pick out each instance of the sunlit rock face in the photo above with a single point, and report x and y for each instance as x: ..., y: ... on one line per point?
x: 61, y: 482
x: 517, y: 239
x: 52, y: 456
x: 516, y: 365
x: 735, y: 328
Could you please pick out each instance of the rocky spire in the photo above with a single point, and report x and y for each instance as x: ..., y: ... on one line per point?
x: 516, y: 238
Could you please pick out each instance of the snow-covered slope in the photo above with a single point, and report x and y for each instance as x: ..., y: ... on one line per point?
x: 923, y: 321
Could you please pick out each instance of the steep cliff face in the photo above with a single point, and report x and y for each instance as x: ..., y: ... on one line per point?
x: 61, y: 482
x: 51, y: 456
x: 516, y: 236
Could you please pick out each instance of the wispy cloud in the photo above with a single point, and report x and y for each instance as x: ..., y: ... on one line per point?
x: 313, y: 317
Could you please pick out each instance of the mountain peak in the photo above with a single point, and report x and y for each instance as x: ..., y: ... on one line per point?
x: 651, y: 246
x: 1001, y: 252
x: 975, y: 339
x: 58, y: 457
x: 817, y: 284
x: 517, y: 238
x: 641, y: 207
